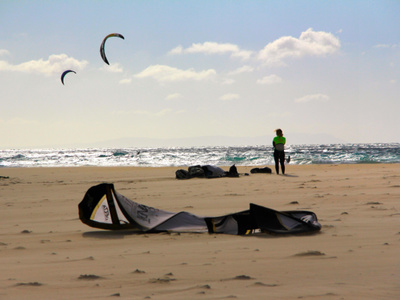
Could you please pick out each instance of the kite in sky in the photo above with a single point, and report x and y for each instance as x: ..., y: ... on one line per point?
x: 65, y: 73
x: 102, y: 50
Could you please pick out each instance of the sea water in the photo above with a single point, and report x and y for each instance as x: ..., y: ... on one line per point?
x: 181, y: 156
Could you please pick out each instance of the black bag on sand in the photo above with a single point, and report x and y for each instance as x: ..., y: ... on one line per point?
x: 261, y: 170
x: 232, y: 172
x: 182, y: 174
x: 211, y: 171
x: 196, y: 171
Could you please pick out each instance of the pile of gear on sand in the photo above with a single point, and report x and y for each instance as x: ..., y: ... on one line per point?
x: 210, y: 171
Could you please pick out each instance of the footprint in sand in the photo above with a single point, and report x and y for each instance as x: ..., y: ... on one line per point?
x: 115, y: 295
x: 165, y: 279
x: 161, y: 280
x: 29, y: 284
x: 373, y: 203
x: 239, y: 277
x: 206, y: 286
x: 309, y: 253
x: 89, y: 277
x: 243, y: 277
x: 264, y: 284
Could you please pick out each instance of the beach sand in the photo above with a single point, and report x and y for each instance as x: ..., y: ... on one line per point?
x: 47, y: 253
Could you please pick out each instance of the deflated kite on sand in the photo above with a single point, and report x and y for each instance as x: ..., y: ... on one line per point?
x: 103, y: 207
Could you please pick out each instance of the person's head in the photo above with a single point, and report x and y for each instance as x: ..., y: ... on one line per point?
x: 279, y: 132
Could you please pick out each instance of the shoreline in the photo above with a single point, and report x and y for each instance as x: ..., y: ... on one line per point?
x: 46, y: 252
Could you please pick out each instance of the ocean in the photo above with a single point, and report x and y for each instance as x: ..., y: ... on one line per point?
x: 189, y: 156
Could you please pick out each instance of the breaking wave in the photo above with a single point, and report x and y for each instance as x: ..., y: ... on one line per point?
x: 181, y: 156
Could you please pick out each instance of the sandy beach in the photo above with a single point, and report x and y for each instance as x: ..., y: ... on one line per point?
x: 47, y: 253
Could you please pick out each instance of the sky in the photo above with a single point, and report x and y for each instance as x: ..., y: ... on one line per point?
x: 198, y: 73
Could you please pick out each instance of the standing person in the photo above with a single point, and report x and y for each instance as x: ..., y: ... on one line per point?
x: 279, y: 150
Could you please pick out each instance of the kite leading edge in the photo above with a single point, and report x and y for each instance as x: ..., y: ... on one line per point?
x: 103, y: 43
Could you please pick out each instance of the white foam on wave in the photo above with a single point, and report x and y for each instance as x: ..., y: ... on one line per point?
x: 222, y: 156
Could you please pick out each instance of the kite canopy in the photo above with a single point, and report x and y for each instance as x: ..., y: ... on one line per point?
x: 102, y: 46
x: 103, y: 207
x: 65, y: 73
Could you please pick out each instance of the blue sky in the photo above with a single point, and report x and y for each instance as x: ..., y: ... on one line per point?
x: 199, y: 72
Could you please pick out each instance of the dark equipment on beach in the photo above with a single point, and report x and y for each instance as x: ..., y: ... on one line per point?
x: 261, y: 170
x: 206, y: 171
x: 103, y: 207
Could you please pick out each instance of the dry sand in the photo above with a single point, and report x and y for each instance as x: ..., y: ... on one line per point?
x: 47, y: 253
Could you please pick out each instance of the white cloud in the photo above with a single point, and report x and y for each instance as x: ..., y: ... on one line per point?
x: 271, y: 79
x: 163, y: 112
x: 213, y: 48
x: 177, y: 50
x: 125, y: 81
x: 280, y: 115
x: 311, y: 43
x: 16, y: 121
x: 228, y: 97
x: 160, y: 113
x: 244, y: 69
x: 173, y: 96
x: 382, y: 46
x: 313, y: 97
x: 4, y: 52
x: 387, y: 46
x: 56, y: 63
x: 228, y: 81
x: 113, y: 68
x: 164, y: 73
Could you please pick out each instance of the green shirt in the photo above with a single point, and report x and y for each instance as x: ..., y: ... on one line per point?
x: 279, y: 141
